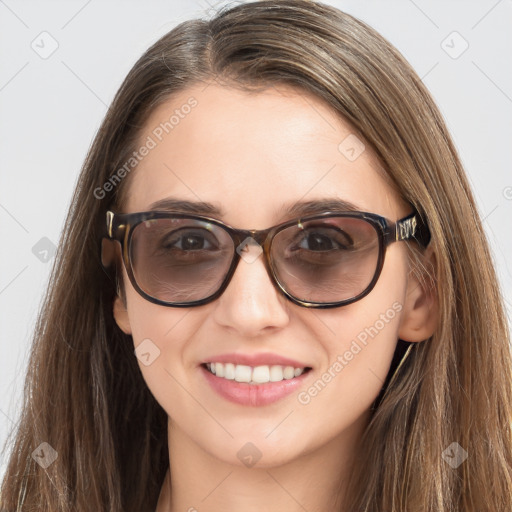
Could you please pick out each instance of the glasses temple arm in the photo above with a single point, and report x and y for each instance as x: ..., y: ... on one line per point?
x: 412, y: 227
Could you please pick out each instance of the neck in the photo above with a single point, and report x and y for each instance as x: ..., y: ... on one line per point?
x: 313, y: 481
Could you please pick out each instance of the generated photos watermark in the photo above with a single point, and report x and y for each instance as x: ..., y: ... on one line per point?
x: 150, y: 143
x: 342, y: 360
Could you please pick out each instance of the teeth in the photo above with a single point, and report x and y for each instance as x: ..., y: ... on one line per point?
x: 242, y: 373
x: 229, y: 371
x: 254, y: 375
x: 219, y: 370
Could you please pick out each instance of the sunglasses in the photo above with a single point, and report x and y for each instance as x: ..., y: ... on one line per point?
x: 325, y: 260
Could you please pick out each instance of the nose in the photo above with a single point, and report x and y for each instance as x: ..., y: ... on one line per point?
x: 251, y: 303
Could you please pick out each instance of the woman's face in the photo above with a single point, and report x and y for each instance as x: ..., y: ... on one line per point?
x: 251, y: 155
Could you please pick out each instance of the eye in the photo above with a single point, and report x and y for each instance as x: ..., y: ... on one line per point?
x: 322, y: 240
x: 189, y: 240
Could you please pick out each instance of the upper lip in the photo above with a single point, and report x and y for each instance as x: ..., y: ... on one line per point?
x: 261, y: 359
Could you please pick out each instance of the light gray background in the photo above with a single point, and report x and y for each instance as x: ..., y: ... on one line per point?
x: 50, y: 109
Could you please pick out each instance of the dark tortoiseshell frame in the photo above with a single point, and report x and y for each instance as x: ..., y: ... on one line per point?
x: 120, y: 228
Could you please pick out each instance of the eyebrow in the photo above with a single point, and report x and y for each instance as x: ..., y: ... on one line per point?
x: 290, y: 210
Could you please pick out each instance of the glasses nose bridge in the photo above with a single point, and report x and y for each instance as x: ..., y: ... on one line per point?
x: 260, y: 236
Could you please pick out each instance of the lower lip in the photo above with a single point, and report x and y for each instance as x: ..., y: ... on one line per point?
x: 254, y: 395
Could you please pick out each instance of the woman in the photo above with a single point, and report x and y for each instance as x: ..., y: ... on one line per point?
x: 297, y: 309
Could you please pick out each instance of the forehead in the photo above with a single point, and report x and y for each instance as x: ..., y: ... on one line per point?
x: 249, y: 153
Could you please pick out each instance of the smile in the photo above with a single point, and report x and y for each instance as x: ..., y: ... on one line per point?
x: 254, y: 374
x: 254, y: 386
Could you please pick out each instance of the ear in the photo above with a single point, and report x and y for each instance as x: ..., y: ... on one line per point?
x: 421, y: 312
x: 121, y: 315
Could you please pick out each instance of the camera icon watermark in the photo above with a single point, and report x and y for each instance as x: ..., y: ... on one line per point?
x: 243, y: 250
x: 507, y: 193
x: 147, y: 352
x: 351, y: 147
x: 45, y: 45
x: 454, y: 455
x: 45, y: 455
x: 249, y: 454
x: 454, y: 45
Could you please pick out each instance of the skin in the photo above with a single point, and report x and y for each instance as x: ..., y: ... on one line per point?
x: 249, y: 154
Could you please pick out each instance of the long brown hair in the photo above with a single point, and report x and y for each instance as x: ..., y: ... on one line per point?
x: 84, y: 393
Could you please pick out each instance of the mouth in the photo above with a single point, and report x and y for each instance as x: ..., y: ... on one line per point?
x: 254, y: 375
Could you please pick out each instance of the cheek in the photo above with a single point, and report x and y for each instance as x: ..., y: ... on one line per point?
x: 361, y: 344
x: 157, y: 333
x: 358, y: 362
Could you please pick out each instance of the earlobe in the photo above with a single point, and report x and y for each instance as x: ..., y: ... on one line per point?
x: 121, y: 315
x: 421, y: 312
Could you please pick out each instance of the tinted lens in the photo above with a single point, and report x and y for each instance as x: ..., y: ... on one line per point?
x: 326, y: 260
x: 180, y: 260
